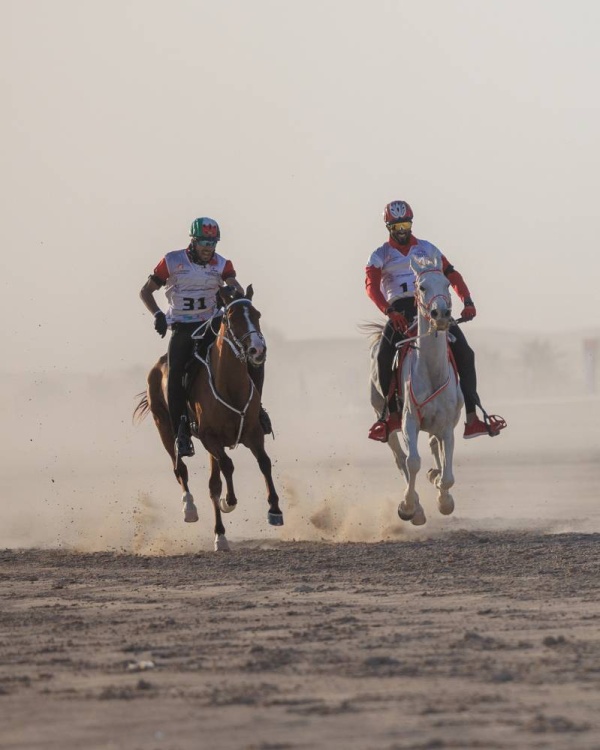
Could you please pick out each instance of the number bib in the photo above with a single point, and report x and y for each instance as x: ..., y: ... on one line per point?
x: 397, y: 277
x: 191, y: 289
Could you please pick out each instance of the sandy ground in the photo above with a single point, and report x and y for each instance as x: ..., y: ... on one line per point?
x: 121, y: 628
x: 469, y: 640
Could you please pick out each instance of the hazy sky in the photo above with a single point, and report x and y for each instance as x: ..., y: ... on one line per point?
x: 292, y: 124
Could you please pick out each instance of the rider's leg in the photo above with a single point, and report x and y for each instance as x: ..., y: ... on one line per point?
x: 257, y: 376
x: 464, y: 357
x: 180, y: 350
x: 465, y: 364
x: 385, y: 359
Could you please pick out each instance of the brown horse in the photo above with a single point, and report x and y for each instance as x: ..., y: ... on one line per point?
x: 223, y: 403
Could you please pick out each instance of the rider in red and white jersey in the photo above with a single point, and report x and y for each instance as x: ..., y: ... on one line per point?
x: 390, y: 283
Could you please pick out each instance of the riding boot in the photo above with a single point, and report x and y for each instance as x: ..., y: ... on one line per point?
x: 183, y: 444
x: 257, y: 376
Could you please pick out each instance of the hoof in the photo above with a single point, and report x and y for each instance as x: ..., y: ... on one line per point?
x: 221, y: 543
x: 225, y: 507
x: 403, y: 513
x: 275, y: 519
x: 190, y: 512
x: 446, y: 505
x: 419, y: 518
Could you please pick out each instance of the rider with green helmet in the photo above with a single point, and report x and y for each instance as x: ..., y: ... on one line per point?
x: 191, y: 278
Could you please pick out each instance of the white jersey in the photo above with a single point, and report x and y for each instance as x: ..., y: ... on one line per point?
x: 397, y: 277
x: 191, y: 289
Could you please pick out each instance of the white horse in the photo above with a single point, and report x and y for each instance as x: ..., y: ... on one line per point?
x: 431, y: 392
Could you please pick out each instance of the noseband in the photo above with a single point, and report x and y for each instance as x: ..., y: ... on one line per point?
x: 425, y: 309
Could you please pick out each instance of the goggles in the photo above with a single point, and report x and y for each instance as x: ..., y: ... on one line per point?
x: 204, y: 243
x: 401, y: 226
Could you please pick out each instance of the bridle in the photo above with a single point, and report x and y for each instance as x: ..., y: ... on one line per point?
x: 425, y: 309
x: 237, y: 343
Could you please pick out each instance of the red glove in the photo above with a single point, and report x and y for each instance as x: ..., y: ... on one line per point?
x: 398, y: 321
x: 469, y: 311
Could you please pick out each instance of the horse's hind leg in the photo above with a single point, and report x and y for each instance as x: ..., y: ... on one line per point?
x: 160, y: 414
x: 435, y: 472
x: 215, y: 485
x: 274, y: 516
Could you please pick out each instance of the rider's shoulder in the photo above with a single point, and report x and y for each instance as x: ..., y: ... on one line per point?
x: 380, y: 255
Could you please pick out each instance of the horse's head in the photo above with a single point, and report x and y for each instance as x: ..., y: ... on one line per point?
x: 242, y: 324
x: 432, y: 290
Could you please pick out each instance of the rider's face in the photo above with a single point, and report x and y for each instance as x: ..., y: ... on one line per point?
x: 401, y: 231
x: 204, y: 249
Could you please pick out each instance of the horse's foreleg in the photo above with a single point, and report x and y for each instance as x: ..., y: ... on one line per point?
x: 274, y: 516
x: 215, y: 485
x: 446, y: 478
x: 410, y: 509
x: 225, y: 464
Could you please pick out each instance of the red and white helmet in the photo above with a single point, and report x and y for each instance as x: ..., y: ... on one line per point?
x: 397, y: 211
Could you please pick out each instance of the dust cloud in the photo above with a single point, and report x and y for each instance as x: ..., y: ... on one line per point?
x: 77, y: 474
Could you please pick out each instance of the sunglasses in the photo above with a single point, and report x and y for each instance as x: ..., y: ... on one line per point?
x: 400, y: 226
x: 205, y: 243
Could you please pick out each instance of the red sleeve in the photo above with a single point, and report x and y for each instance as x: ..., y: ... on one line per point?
x: 228, y: 271
x: 161, y: 271
x: 373, y: 286
x: 455, y: 278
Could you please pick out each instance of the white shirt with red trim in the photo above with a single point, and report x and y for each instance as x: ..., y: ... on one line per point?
x: 397, y: 277
x: 191, y: 288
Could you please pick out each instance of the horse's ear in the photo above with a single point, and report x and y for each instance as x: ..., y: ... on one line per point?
x: 249, y: 292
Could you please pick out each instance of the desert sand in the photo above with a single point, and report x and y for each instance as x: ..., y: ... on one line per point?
x: 347, y: 628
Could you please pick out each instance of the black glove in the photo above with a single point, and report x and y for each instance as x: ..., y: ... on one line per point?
x: 160, y: 323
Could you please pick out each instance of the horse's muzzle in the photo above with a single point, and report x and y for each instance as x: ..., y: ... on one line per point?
x: 256, y: 357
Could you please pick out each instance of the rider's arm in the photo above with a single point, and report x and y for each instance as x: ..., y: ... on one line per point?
x: 454, y: 277
x: 373, y: 287
x: 147, y: 295
x: 157, y: 279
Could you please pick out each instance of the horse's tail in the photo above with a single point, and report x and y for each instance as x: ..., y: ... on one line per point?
x: 142, y: 409
x: 373, y: 330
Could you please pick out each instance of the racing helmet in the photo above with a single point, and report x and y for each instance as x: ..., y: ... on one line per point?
x: 397, y: 212
x: 205, y: 231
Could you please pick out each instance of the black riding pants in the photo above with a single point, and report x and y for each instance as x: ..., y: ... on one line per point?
x: 463, y: 356
x: 180, y: 351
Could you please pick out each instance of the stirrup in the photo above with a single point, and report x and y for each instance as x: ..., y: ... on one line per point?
x: 379, y: 431
x: 494, y: 423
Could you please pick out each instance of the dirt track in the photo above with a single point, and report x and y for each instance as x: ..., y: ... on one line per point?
x: 486, y: 640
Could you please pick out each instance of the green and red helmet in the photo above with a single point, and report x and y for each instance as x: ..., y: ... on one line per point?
x: 205, y: 231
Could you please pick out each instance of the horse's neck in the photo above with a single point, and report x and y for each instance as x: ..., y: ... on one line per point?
x: 432, y: 354
x: 230, y: 374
